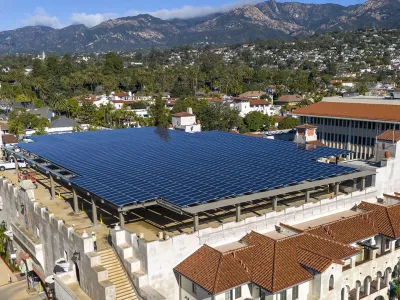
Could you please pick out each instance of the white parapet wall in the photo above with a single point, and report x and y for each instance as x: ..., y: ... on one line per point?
x: 158, y: 258
x: 46, y: 239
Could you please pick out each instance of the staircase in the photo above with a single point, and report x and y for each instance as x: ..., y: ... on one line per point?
x: 117, y: 275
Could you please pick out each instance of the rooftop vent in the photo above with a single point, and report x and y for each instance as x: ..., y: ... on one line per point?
x: 278, y: 228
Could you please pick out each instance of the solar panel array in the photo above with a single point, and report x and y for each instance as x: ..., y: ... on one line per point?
x: 135, y: 165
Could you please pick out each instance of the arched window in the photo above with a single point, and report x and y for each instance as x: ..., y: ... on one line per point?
x: 331, y: 282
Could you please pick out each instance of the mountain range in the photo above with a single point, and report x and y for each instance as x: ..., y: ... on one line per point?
x: 267, y: 20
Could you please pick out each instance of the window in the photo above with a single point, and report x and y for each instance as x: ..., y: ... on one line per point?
x: 282, y: 295
x: 331, y: 282
x: 228, y: 295
x: 238, y: 292
x: 387, y: 244
x: 295, y: 292
x: 194, y: 288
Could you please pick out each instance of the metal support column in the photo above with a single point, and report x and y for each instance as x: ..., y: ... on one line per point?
x: 16, y: 165
x: 196, y: 222
x: 52, y: 190
x: 121, y: 219
x: 363, y: 179
x: 336, y: 189
x: 274, y: 203
x: 75, y: 196
x: 355, y: 183
x: 373, y: 180
x: 308, y: 193
x: 238, y: 212
x: 94, y: 211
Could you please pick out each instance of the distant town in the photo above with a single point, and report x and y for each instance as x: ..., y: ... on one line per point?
x: 264, y: 171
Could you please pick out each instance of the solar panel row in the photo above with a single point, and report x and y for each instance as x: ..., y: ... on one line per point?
x: 137, y: 165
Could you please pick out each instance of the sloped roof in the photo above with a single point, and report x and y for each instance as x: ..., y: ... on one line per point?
x: 347, y: 230
x: 272, y: 264
x: 387, y: 218
x: 290, y: 98
x: 183, y: 114
x: 389, y: 135
x: 63, y: 121
x: 362, y: 111
x: 216, y: 271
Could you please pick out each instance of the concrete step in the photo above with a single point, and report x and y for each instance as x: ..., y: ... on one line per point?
x: 117, y: 275
x: 124, y: 292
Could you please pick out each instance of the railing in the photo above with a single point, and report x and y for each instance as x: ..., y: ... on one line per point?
x: 363, y: 262
x: 140, y: 297
x: 345, y: 268
x: 383, y: 254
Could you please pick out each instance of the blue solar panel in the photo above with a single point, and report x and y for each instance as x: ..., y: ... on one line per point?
x: 136, y: 165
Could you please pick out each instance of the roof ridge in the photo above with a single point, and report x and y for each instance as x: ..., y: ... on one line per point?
x: 273, y: 269
x: 361, y: 214
x: 217, y: 272
x: 245, y: 247
x: 390, y: 221
x: 333, y: 241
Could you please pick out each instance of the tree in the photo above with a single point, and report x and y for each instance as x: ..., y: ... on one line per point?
x: 160, y: 113
x: 254, y: 120
x: 288, y: 123
x: 113, y: 64
x: 87, y: 113
x: 219, y: 117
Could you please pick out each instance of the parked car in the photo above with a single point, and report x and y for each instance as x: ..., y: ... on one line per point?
x: 11, y: 165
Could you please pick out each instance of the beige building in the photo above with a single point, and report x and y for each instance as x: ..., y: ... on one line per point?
x: 347, y: 255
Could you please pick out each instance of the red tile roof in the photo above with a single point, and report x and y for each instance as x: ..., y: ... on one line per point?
x: 361, y: 111
x: 389, y: 135
x: 306, y: 126
x: 271, y: 264
x: 347, y: 230
x: 216, y: 271
x: 124, y: 101
x: 387, y: 218
x: 183, y: 114
x: 290, y: 98
x: 258, y: 102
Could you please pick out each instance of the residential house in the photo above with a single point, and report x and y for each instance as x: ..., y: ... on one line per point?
x: 289, y: 100
x: 185, y: 121
x: 252, y: 94
x: 42, y: 112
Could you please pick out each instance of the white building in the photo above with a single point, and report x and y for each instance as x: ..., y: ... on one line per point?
x: 185, y: 121
x: 247, y: 105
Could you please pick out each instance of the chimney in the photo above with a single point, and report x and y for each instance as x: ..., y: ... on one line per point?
x: 190, y: 110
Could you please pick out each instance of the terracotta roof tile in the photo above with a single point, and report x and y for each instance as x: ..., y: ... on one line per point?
x: 290, y: 98
x: 387, y: 218
x: 183, y: 114
x: 347, y: 230
x: 389, y: 135
x: 352, y: 111
x: 258, y: 102
x: 215, y: 271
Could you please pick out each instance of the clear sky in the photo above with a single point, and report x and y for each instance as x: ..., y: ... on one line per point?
x: 61, y: 13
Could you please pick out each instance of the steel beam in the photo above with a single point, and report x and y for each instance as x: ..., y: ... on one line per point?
x: 94, y: 211
x: 238, y: 212
x: 52, y: 189
x: 75, y: 196
x: 308, y: 193
x: 121, y: 219
x: 273, y: 193
x: 196, y: 222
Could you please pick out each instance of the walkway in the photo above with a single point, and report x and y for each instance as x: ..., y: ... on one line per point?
x: 17, y: 291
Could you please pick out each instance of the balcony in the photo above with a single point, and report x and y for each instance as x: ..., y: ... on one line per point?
x: 358, y: 263
x: 346, y: 267
x: 383, y: 254
x: 373, y: 289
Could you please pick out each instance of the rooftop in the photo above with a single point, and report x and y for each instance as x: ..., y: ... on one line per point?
x: 360, y: 111
x: 389, y: 135
x: 276, y: 261
x: 132, y: 166
x: 183, y: 114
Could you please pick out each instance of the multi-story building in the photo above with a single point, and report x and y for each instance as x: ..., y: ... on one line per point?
x: 172, y: 193
x: 352, y: 123
x: 347, y: 255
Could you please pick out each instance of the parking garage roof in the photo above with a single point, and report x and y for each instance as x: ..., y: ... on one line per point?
x: 134, y: 166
